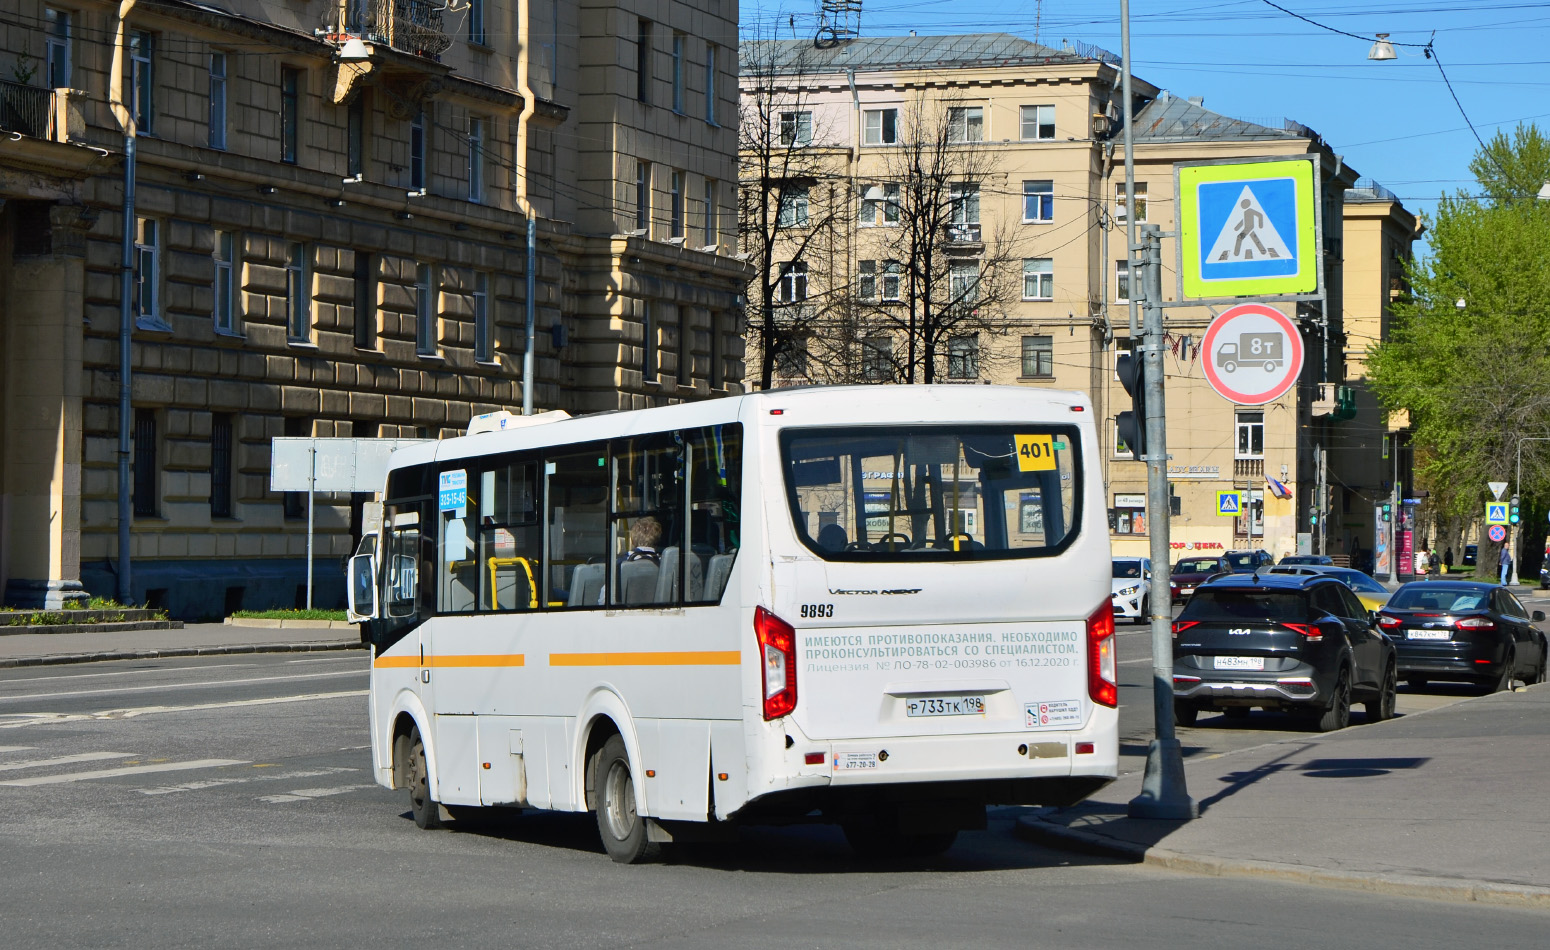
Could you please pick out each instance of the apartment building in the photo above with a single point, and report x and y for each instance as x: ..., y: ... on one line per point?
x: 1024, y: 144
x: 330, y: 238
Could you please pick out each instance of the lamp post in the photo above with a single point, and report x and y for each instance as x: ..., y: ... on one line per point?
x: 1517, y: 487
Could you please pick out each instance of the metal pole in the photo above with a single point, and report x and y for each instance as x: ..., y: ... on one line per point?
x: 1323, y: 503
x: 1163, y: 790
x: 126, y: 327
x: 1517, y: 489
x: 1130, y: 171
x: 531, y: 329
x: 312, y: 481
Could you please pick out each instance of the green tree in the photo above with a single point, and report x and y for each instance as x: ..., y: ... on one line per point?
x: 1468, y: 351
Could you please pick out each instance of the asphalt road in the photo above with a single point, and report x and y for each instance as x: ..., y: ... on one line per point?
x: 226, y: 802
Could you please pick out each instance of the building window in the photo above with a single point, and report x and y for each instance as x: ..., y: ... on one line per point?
x: 56, y: 25
x: 882, y: 198
x: 220, y: 466
x: 879, y: 280
x: 877, y: 359
x: 1038, y: 123
x: 1119, y: 202
x: 793, y: 282
x: 963, y: 357
x: 796, y: 129
x: 1254, y: 525
x: 643, y: 60
x: 1038, y: 278
x: 1122, y: 281
x: 142, y: 80
x: 145, y: 470
x: 298, y: 295
x: 355, y: 138
x: 147, y: 303
x: 1128, y: 516
x: 217, y: 100
x: 290, y: 112
x: 1251, y: 435
x: 866, y: 283
x: 1038, y: 356
x: 676, y: 205
x: 1038, y: 201
x: 365, y: 301
x: 965, y: 124
x: 642, y: 197
x: 648, y: 343
x: 484, y: 339
x: 678, y: 72
x: 476, y: 159
x: 793, y: 208
x: 880, y: 127
x: 791, y: 358
x: 685, y: 358
x: 424, y: 311
x: 224, y: 311
x: 712, y: 232
x: 710, y: 83
x: 476, y: 23
x: 963, y: 282
x: 965, y: 204
x: 417, y: 149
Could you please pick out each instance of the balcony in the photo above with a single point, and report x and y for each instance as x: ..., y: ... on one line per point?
x: 27, y: 110
x: 1248, y: 468
x: 964, y: 239
x: 408, y: 26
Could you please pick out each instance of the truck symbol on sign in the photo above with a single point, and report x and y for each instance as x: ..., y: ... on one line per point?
x: 1252, y: 349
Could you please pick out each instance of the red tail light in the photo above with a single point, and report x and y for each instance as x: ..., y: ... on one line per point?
x: 1474, y: 624
x: 1179, y: 626
x: 1102, y: 668
x: 1389, y: 623
x: 778, y: 652
x: 1313, y: 633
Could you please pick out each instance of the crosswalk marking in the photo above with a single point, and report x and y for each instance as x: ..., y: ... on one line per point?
x: 22, y: 720
x: 240, y: 779
x: 144, y: 689
x: 64, y: 760
x: 119, y: 772
x: 308, y: 794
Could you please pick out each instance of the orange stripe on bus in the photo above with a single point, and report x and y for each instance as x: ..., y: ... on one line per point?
x: 444, y: 662
x: 684, y: 658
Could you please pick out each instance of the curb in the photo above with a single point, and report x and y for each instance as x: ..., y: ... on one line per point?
x: 276, y: 623
x: 1459, y: 890
x: 126, y: 626
x: 62, y: 658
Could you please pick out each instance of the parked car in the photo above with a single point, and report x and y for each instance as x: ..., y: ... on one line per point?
x: 1132, y: 580
x: 1464, y: 631
x: 1372, y: 594
x: 1471, y: 552
x: 1307, y: 559
x: 1296, y: 642
x: 1247, y: 562
x: 1191, y: 572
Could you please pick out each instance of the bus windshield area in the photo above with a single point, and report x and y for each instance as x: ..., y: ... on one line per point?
x: 949, y: 492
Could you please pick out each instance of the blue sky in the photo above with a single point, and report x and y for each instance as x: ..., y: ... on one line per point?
x: 1393, y: 121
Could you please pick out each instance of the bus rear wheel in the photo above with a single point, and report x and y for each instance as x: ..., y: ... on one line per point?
x: 410, y: 749
x: 619, y: 824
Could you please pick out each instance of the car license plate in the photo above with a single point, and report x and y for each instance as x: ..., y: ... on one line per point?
x: 1240, y: 662
x: 946, y: 706
x: 1428, y: 634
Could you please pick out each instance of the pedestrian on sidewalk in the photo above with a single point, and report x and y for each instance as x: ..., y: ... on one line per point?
x: 1506, y: 564
x: 1447, y: 560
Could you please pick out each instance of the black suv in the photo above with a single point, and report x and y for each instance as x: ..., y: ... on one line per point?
x: 1281, y: 641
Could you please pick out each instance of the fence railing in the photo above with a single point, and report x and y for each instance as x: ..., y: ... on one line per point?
x: 409, y: 26
x: 28, y: 110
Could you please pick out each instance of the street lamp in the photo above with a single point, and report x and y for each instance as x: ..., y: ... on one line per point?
x: 1382, y: 49
x: 1544, y: 192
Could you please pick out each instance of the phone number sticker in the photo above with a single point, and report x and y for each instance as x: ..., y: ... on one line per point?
x: 1063, y: 712
x: 851, y: 761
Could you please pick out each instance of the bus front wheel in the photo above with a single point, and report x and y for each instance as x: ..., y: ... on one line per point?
x: 621, y: 826
x: 411, y: 751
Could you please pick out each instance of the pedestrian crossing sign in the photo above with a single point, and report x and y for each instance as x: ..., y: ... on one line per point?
x: 1228, y: 504
x: 1248, y: 228
x: 1495, y: 512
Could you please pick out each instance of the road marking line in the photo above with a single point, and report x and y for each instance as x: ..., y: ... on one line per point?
x: 14, y: 748
x: 65, y: 760
x: 127, y: 770
x: 159, y: 669
x: 308, y: 794
x: 1145, y: 659
x: 172, y: 686
x: 38, y: 719
x: 240, y: 779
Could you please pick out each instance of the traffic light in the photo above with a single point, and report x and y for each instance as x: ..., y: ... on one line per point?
x: 1388, y: 512
x: 1313, y: 518
x: 1132, y: 422
x: 1512, y: 511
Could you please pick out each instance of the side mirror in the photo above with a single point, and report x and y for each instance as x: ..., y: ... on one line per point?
x: 363, y: 588
x: 1538, y: 616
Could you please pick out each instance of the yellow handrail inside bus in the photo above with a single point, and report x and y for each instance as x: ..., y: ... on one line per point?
x: 527, y: 567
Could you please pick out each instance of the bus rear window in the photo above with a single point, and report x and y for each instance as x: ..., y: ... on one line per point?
x: 947, y: 492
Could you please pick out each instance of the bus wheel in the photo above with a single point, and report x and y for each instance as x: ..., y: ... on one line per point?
x: 622, y: 829
x: 427, y: 813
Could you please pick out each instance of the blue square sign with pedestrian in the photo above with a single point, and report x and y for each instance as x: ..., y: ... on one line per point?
x: 1248, y: 228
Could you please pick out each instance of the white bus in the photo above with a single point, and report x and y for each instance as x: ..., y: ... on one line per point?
x: 882, y: 607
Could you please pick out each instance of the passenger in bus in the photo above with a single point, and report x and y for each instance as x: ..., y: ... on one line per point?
x: 638, y: 583
x: 645, y: 534
x: 832, y: 537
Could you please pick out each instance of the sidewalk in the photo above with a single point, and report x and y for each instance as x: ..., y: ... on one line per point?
x: 195, y: 639
x: 1448, y: 804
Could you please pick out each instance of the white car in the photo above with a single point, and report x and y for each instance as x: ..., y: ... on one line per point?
x: 1132, y: 582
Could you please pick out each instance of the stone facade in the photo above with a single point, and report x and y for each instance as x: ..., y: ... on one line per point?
x: 332, y: 248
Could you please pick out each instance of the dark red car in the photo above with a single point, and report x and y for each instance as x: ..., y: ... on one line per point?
x: 1191, y: 572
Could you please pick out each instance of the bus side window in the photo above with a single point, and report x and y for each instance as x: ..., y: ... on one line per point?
x: 578, y: 526
x: 648, y: 522
x: 715, y: 503
x: 510, y: 543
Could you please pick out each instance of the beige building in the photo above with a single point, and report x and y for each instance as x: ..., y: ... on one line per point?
x: 1032, y: 149
x: 330, y: 239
